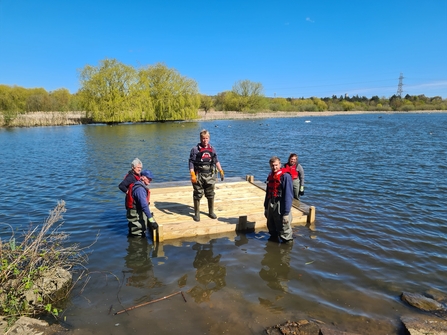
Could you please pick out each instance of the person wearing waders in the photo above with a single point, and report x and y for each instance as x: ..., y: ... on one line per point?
x: 203, y: 163
x: 297, y: 173
x: 278, y: 202
x: 140, y: 216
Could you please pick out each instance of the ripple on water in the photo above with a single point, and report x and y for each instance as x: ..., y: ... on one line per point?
x: 378, y: 185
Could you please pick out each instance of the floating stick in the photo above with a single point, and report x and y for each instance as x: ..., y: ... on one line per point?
x: 149, y: 302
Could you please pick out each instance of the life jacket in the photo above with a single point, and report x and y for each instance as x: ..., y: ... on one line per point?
x: 274, y: 183
x: 204, y: 158
x: 130, y: 201
x: 292, y: 170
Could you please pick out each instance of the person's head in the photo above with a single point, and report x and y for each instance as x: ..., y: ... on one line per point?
x: 146, y: 176
x: 293, y: 159
x: 136, y: 166
x: 204, y: 137
x: 275, y: 164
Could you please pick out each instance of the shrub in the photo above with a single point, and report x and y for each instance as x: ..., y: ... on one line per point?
x: 27, y: 260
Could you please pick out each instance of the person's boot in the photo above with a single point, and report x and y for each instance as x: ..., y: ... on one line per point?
x: 196, y: 216
x: 211, y: 208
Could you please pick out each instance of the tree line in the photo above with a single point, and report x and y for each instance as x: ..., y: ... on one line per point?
x: 115, y: 92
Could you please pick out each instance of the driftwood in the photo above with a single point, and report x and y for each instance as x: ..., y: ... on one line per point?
x: 150, y: 302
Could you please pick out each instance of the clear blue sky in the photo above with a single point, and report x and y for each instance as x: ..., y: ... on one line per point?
x: 295, y: 48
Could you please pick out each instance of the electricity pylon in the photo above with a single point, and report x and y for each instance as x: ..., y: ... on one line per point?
x: 399, y: 87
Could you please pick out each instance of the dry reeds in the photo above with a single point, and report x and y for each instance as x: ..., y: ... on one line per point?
x: 37, y: 119
x: 26, y: 260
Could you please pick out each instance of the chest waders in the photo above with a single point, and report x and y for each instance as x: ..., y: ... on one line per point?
x: 205, y: 185
x: 204, y: 167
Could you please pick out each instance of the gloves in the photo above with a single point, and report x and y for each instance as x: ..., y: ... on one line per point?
x: 285, y: 219
x: 154, y: 224
x: 193, y: 177
x: 222, y: 176
x: 301, y: 190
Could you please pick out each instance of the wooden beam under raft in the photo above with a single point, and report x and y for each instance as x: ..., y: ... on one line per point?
x: 238, y: 205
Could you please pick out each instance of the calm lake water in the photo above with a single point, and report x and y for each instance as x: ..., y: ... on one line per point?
x: 378, y: 182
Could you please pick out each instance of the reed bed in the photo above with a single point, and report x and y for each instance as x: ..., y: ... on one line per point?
x: 38, y: 119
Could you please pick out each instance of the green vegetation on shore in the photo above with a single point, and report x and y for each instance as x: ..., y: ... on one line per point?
x: 113, y: 92
x: 29, y: 265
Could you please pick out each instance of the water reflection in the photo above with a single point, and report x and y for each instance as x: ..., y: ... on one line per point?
x: 276, y: 265
x: 275, y: 271
x: 138, y: 261
x: 241, y: 239
x: 210, y: 275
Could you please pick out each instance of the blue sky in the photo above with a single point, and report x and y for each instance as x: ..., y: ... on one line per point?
x: 295, y: 48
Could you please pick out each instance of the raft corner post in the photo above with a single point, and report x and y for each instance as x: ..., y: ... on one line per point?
x: 311, y: 215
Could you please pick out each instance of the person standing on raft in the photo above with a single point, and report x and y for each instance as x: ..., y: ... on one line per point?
x: 203, y: 163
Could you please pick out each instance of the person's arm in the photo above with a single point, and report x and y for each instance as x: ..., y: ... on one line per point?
x: 140, y: 195
x: 266, y: 201
x: 218, y: 166
x: 300, y: 174
x: 192, y: 159
x: 287, y: 193
x: 124, y: 185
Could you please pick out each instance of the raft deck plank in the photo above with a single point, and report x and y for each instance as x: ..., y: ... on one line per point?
x: 238, y: 205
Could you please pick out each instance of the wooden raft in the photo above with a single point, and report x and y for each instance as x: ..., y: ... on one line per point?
x: 238, y: 204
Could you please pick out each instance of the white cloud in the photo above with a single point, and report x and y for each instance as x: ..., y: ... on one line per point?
x: 309, y: 19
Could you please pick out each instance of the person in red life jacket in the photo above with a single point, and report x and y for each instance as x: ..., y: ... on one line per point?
x: 278, y: 202
x: 139, y: 214
x: 203, y: 162
x: 132, y: 176
x: 297, y: 173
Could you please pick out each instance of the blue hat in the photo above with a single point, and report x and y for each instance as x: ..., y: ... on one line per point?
x: 147, y: 174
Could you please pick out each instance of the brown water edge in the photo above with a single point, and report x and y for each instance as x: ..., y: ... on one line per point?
x: 228, y: 311
x: 40, y: 119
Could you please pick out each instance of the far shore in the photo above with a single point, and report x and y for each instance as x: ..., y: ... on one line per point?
x: 38, y: 119
x: 220, y: 115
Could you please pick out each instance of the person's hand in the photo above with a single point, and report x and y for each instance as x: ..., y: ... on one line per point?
x: 285, y: 219
x: 154, y: 224
x: 301, y: 190
x: 222, y: 175
x: 193, y: 177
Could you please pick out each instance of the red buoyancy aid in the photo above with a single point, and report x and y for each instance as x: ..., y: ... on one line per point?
x: 292, y: 170
x: 130, y: 201
x: 274, y: 183
x: 205, y: 156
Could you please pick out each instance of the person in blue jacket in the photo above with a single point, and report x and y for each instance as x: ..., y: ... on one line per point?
x: 141, y: 199
x: 278, y: 202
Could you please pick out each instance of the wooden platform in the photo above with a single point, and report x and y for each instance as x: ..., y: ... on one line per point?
x: 238, y: 205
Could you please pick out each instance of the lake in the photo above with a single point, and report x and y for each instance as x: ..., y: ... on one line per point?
x: 378, y: 182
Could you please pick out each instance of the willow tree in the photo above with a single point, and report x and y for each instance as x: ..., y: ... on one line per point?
x: 249, y: 95
x: 173, y: 96
x: 108, y: 91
